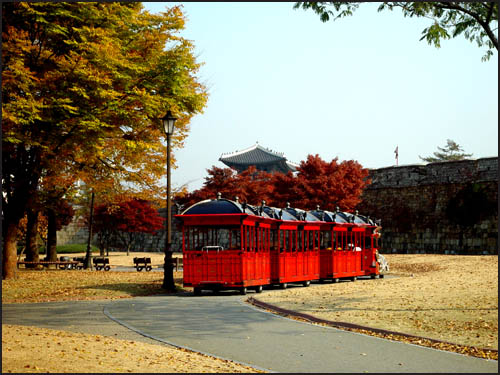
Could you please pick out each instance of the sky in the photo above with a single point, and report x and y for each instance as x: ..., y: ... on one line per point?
x: 353, y: 89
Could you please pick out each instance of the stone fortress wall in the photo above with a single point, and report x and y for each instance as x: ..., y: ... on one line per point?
x: 446, y: 207
x: 443, y: 207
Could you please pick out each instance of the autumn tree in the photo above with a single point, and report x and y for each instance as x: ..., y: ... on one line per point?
x: 32, y: 229
x: 59, y: 214
x: 126, y: 220
x: 250, y: 186
x: 83, y: 87
x: 451, y: 152
x: 104, y: 227
x: 318, y: 182
x: 476, y: 21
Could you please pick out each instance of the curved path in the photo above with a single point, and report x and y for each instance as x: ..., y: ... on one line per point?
x: 227, y: 327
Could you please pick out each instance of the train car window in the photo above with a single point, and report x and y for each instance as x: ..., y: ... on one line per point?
x: 268, y: 239
x: 249, y: 239
x: 342, y: 240
x: 357, y: 241
x: 258, y: 239
x: 287, y: 242
x: 367, y: 242
x: 325, y: 240
x: 315, y: 238
x: 311, y: 235
x: 294, y: 241
x: 274, y: 241
x: 199, y: 238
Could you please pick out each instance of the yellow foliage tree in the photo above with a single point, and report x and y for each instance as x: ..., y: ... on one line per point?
x: 83, y: 87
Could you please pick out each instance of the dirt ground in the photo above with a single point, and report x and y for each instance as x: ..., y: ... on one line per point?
x: 30, y: 349
x: 451, y: 298
x: 33, y: 349
x: 445, y: 297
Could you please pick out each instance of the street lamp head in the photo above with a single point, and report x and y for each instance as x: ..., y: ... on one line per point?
x: 168, y: 123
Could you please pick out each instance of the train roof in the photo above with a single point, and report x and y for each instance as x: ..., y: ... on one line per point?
x: 219, y: 206
x: 341, y: 217
x: 301, y: 214
x: 226, y: 206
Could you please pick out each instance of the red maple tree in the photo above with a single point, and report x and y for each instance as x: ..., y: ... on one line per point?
x: 317, y: 182
x: 250, y: 186
x: 126, y: 220
x: 322, y: 183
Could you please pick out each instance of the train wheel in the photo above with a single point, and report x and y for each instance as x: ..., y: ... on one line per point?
x: 335, y: 280
x: 258, y: 289
x: 243, y: 290
x: 107, y: 268
x: 139, y: 269
x: 148, y: 268
x: 381, y: 276
x: 354, y: 278
x: 283, y: 285
x: 306, y: 283
x: 197, y: 291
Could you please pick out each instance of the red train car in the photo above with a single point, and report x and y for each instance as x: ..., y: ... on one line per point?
x: 349, y: 246
x: 295, y: 250
x: 228, y: 245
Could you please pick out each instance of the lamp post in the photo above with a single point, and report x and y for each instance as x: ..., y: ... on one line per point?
x: 168, y: 268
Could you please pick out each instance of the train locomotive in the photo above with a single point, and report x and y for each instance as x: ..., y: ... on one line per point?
x: 231, y: 245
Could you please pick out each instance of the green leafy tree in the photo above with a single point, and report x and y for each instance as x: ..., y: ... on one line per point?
x: 83, y: 87
x: 476, y: 21
x: 451, y: 152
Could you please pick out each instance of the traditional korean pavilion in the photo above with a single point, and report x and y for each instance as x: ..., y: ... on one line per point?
x: 263, y: 159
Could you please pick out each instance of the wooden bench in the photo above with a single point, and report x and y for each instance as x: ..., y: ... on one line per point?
x: 140, y: 263
x: 80, y: 262
x: 101, y: 263
x: 61, y: 265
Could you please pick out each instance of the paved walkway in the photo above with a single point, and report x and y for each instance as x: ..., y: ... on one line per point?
x: 227, y: 327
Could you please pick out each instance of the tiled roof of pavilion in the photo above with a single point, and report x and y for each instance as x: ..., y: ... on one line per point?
x: 258, y: 156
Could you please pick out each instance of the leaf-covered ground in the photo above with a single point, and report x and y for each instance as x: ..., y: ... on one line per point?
x: 63, y: 285
x: 31, y: 349
x: 57, y: 285
x: 444, y: 297
x: 449, y: 298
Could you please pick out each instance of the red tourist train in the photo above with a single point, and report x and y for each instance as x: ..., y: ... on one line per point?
x: 231, y: 245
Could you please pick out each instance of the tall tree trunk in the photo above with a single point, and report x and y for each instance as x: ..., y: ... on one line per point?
x: 20, y: 175
x: 51, y: 236
x: 9, y: 256
x: 32, y: 254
